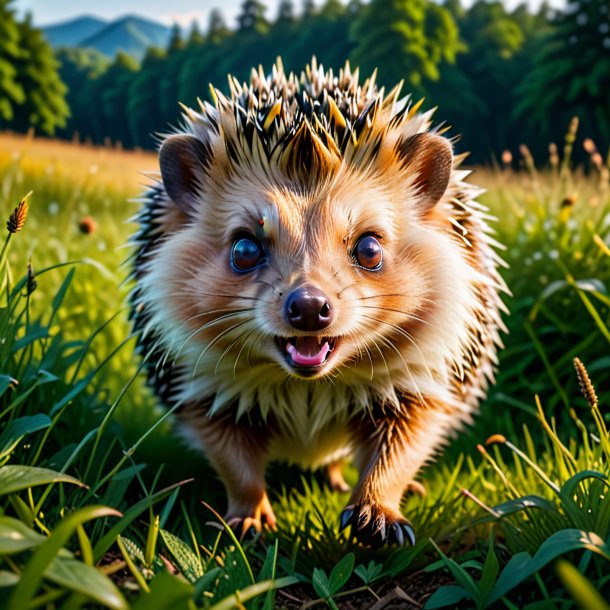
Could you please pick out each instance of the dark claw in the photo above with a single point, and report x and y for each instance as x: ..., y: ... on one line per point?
x: 375, y: 527
x: 409, y: 532
x: 346, y: 517
x: 398, y: 534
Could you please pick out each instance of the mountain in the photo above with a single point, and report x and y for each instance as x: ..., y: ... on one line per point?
x: 131, y: 34
x: 70, y: 33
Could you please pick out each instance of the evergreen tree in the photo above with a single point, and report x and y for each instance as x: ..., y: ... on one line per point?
x: 285, y: 12
x: 571, y: 73
x: 196, y: 38
x: 217, y: 27
x: 100, y: 111
x: 309, y: 9
x: 144, y: 104
x: 252, y: 17
x: 407, y: 39
x: 11, y: 92
x: 354, y: 7
x: 176, y: 42
x: 44, y: 106
x: 77, y: 68
x: 455, y: 8
x: 333, y: 9
x: 115, y: 99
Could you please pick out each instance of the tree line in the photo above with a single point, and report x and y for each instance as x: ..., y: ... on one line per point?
x: 499, y: 77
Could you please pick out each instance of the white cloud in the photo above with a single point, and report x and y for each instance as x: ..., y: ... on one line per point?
x: 184, y: 20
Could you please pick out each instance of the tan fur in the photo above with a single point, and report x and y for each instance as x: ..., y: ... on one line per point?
x: 416, y: 338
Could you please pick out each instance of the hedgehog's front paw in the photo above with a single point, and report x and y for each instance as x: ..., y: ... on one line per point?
x: 376, y: 525
x: 243, y: 518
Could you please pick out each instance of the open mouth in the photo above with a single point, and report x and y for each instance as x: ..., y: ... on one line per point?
x: 306, y: 354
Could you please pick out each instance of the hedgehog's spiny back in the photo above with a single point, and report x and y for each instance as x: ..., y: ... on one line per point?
x: 317, y: 120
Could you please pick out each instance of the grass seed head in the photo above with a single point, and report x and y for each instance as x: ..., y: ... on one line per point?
x: 586, y: 387
x: 32, y: 282
x: 17, y: 219
x: 495, y: 438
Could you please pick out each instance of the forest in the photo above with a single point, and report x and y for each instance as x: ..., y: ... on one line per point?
x: 499, y: 77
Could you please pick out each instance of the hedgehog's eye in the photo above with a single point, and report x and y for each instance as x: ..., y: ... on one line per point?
x: 246, y: 253
x: 368, y: 253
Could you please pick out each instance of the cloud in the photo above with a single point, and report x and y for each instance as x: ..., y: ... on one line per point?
x: 184, y: 20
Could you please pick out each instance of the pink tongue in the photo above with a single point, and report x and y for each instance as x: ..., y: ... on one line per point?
x: 307, y: 351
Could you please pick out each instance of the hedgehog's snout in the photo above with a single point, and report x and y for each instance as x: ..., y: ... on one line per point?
x: 308, y: 308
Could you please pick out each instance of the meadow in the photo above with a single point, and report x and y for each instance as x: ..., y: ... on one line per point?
x: 102, y: 506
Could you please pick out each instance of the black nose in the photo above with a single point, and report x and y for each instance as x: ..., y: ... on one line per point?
x: 308, y: 308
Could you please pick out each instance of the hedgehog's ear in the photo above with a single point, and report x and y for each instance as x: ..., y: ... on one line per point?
x: 429, y: 157
x: 184, y: 160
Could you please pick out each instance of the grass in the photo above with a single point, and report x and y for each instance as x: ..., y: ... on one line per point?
x: 101, y: 505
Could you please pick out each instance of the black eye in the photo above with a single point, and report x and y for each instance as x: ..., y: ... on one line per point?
x: 246, y: 253
x: 368, y: 253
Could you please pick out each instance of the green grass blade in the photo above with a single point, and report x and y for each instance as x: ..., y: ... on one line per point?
x: 233, y: 601
x: 86, y: 580
x: 20, y: 427
x: 132, y: 513
x: 48, y: 550
x: 583, y: 592
x: 18, y: 478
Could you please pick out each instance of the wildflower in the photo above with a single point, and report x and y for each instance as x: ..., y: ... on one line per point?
x: 589, y: 146
x: 507, y: 157
x: 17, y: 219
x: 87, y: 225
x: 569, y: 201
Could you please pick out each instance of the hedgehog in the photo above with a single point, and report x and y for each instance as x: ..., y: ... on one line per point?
x: 314, y: 281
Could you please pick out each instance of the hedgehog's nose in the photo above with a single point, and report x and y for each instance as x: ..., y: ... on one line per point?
x: 308, y: 308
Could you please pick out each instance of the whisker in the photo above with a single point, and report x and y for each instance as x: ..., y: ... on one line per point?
x: 215, y: 340
x: 407, y: 369
x: 207, y: 325
x: 253, y: 331
x: 228, y: 349
x: 407, y: 335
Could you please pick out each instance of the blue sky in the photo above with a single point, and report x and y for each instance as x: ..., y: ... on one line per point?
x: 168, y: 11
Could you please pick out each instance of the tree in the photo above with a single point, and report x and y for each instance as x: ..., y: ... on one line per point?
x: 571, y: 74
x: 309, y: 9
x: 176, y: 42
x: 44, y: 106
x: 217, y: 27
x: 285, y: 12
x: 252, y: 17
x: 333, y: 9
x: 100, y: 110
x: 196, y: 38
x: 77, y: 68
x: 144, y: 104
x: 11, y: 92
x: 407, y: 39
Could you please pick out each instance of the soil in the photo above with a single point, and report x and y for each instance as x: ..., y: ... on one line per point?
x: 407, y: 592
